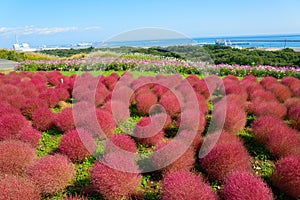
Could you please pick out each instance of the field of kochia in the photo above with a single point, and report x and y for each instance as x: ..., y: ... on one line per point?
x: 124, y: 137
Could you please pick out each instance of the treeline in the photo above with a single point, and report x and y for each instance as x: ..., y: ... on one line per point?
x: 68, y: 52
x: 210, y: 53
x: 22, y: 56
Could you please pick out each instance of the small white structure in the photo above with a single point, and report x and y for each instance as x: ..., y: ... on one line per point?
x: 22, y: 47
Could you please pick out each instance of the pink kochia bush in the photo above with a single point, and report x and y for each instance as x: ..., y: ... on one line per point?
x: 186, y: 185
x: 51, y: 173
x: 30, y: 105
x: 64, y: 120
x: 149, y: 131
x: 31, y: 136
x: 269, y: 108
x: 11, y: 125
x: 173, y: 155
x: 278, y: 137
x: 225, y: 158
x: 77, y: 144
x: 171, y: 103
x: 13, y: 188
x: 294, y: 116
x: 243, y: 186
x: 117, y: 177
x: 120, y: 142
x: 144, y: 101
x: 15, y: 157
x: 234, y: 116
x: 191, y: 119
x: 286, y: 176
x: 42, y: 119
x: 281, y: 92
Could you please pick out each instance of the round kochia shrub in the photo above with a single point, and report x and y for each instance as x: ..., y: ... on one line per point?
x: 234, y: 117
x: 10, y: 126
x: 13, y: 188
x: 173, y: 155
x: 269, y: 108
x: 225, y: 158
x: 77, y: 145
x: 120, y: 142
x: 281, y: 92
x: 186, y: 185
x: 294, y: 116
x: 31, y: 105
x: 15, y: 157
x: 286, y: 176
x: 191, y: 119
x: 113, y: 182
x: 283, y: 142
x: 64, y: 120
x: 244, y: 186
x: 42, y: 119
x: 171, y: 103
x: 144, y: 101
x: 31, y: 136
x: 51, y: 173
x: 264, y: 126
x: 149, y: 131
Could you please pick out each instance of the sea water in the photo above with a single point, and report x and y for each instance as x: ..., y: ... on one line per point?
x: 265, y: 41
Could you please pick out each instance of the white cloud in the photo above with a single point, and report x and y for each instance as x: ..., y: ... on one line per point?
x: 30, y: 30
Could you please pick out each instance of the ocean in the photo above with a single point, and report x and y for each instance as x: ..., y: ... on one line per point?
x: 265, y: 41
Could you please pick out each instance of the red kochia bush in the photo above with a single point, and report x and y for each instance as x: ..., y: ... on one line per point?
x: 13, y: 188
x: 244, y: 185
x: 173, y: 155
x: 225, y: 158
x: 267, y: 81
x: 171, y: 103
x: 62, y: 94
x: 16, y: 100
x: 289, y: 81
x: 281, y: 92
x: 262, y: 95
x: 15, y: 157
x: 144, y: 101
x: 10, y: 126
x: 264, y: 126
x: 191, y: 119
x: 31, y: 105
x: 292, y: 102
x: 42, y: 119
x: 120, y: 142
x: 112, y: 178
x: 64, y: 120
x: 286, y: 176
x: 186, y: 185
x: 106, y: 122
x: 51, y: 173
x: 31, y: 136
x: 294, y: 116
x: 283, y: 142
x: 269, y: 108
x: 234, y: 116
x: 118, y: 109
x: 77, y: 145
x: 49, y: 97
x: 149, y: 131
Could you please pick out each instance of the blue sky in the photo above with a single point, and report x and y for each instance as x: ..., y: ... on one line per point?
x: 62, y: 22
